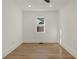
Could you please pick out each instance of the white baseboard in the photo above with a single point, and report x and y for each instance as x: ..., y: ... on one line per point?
x: 11, y: 48
x: 71, y: 51
x: 40, y: 42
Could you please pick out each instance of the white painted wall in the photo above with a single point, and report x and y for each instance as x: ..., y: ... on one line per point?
x: 68, y: 19
x: 12, y: 26
x: 30, y: 34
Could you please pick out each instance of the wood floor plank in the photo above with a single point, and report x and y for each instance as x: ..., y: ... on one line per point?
x: 39, y: 51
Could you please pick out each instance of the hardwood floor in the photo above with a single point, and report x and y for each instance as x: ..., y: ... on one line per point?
x: 39, y: 51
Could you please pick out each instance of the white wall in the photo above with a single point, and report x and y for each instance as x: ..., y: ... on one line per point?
x: 12, y: 26
x: 30, y: 34
x: 68, y: 18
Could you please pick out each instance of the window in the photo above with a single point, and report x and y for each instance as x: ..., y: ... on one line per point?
x: 40, y: 24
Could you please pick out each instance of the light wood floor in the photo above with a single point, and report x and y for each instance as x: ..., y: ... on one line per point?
x: 39, y: 51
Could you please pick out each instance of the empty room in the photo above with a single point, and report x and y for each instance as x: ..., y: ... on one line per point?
x: 39, y: 29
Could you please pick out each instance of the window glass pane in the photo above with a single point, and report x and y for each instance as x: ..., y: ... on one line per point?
x: 40, y: 28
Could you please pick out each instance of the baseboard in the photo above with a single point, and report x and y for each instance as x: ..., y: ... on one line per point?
x: 70, y: 50
x: 40, y: 42
x: 11, y: 48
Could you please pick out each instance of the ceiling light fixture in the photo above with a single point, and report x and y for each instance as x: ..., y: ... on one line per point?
x: 50, y: 5
x: 47, y: 1
x: 29, y: 5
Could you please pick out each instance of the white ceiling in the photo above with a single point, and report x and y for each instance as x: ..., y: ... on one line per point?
x: 41, y: 4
